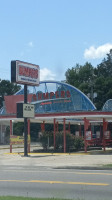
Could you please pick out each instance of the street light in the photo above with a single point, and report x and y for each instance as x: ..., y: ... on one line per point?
x: 111, y: 55
x: 91, y: 82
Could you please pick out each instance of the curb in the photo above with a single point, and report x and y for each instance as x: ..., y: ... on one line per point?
x: 83, y: 168
x: 53, y: 154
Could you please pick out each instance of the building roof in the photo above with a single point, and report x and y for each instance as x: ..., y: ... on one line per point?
x: 54, y: 99
x: 108, y: 105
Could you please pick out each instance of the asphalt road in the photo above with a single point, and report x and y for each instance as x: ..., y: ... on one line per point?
x: 58, y: 183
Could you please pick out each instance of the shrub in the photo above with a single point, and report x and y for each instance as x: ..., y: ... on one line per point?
x: 78, y: 143
x: 69, y: 141
x: 46, y: 139
x: 59, y: 140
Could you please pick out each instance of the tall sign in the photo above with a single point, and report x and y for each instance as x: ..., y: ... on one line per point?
x: 24, y: 73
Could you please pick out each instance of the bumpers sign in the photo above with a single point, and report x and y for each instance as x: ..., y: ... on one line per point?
x: 24, y: 73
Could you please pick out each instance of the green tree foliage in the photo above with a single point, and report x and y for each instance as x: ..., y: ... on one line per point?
x: 46, y: 139
x: 103, y: 85
x: 90, y: 79
x: 81, y: 77
x: 18, y: 128
x: 105, y: 67
x: 7, y: 88
x: 34, y: 130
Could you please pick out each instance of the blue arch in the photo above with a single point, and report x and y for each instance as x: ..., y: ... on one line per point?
x: 54, y: 96
x: 108, y: 105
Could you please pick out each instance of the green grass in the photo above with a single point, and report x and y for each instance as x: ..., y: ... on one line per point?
x: 108, y: 166
x: 29, y: 198
x: 98, y: 152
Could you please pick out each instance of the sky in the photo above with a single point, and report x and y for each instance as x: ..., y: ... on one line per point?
x: 54, y: 34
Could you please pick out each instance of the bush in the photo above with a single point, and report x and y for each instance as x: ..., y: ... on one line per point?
x: 47, y: 140
x: 78, y: 143
x: 59, y: 140
x: 69, y: 141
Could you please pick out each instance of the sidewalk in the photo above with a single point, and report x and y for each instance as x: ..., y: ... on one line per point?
x: 70, y: 161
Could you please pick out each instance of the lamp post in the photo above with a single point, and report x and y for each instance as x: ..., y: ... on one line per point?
x: 111, y: 55
x: 91, y: 84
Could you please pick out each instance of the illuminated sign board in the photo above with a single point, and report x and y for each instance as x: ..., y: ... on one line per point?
x: 25, y: 73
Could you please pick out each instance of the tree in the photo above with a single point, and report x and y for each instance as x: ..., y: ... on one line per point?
x: 7, y: 88
x: 103, y: 84
x: 105, y: 67
x: 72, y: 76
x: 82, y: 77
x: 89, y: 80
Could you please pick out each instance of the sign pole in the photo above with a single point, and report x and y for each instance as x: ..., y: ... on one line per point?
x: 25, y: 123
x: 10, y: 135
x: 26, y: 74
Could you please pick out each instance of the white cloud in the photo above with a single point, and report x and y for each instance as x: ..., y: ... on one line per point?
x: 30, y: 44
x: 46, y: 74
x: 99, y: 52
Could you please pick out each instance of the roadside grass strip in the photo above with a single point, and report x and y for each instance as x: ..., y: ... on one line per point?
x: 29, y: 198
x: 108, y: 166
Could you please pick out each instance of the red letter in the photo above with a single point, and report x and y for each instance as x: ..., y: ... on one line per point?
x: 68, y: 93
x: 57, y: 94
x: 26, y: 71
x: 51, y: 95
x: 20, y: 70
x: 46, y: 95
x: 39, y: 96
x: 63, y: 94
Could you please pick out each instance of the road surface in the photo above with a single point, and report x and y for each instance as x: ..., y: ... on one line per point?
x: 59, y: 183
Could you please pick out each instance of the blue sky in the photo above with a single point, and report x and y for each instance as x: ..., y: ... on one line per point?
x: 55, y: 34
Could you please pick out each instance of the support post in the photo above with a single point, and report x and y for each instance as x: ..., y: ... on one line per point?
x: 86, y: 125
x: 101, y: 137
x: 80, y: 130
x: 64, y: 134
x: 10, y: 135
x: 69, y: 127
x: 54, y: 134
x: 28, y: 135
x: 85, y: 144
x: 43, y: 126
x: 57, y: 127
x: 104, y: 129
x: 25, y: 123
x: 1, y: 132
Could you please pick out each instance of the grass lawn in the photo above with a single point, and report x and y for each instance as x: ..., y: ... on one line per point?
x: 108, y: 166
x: 29, y: 198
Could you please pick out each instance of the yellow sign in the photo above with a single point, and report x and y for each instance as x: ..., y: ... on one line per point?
x: 14, y: 139
x: 28, y: 139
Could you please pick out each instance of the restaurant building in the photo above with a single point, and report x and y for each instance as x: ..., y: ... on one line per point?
x: 58, y: 102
